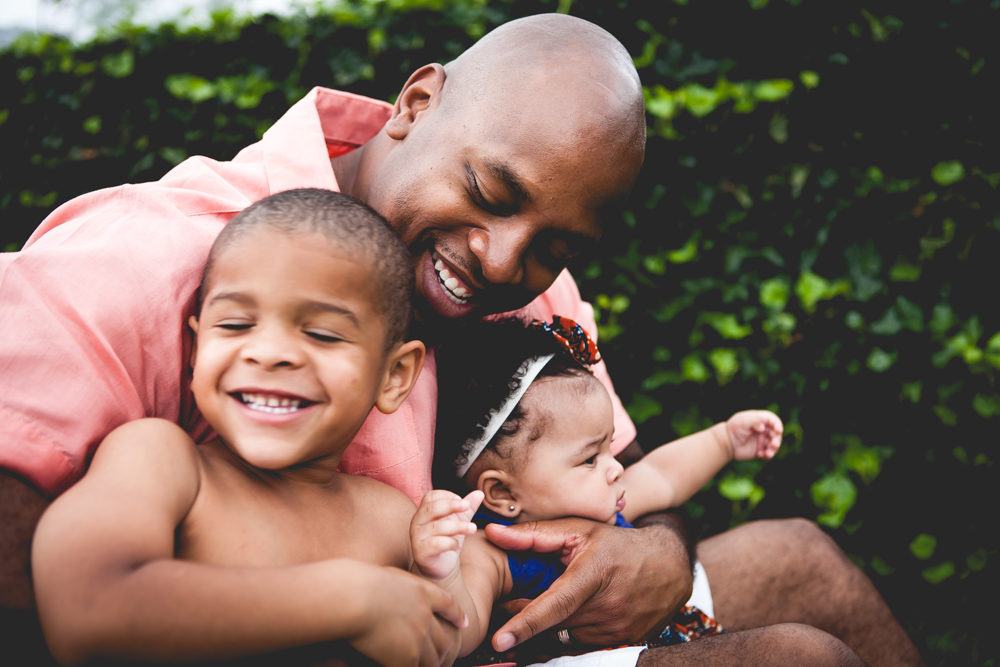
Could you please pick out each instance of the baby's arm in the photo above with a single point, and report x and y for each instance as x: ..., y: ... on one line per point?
x: 448, y: 551
x: 107, y: 583
x: 671, y: 474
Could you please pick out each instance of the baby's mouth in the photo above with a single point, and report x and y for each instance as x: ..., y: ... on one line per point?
x: 453, y: 287
x: 271, y: 403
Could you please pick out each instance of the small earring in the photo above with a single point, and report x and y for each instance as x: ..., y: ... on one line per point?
x: 511, y: 508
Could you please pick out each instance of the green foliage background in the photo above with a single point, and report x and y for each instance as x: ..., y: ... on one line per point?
x: 816, y: 229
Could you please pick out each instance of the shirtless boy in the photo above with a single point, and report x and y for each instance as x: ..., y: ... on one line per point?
x: 254, y: 542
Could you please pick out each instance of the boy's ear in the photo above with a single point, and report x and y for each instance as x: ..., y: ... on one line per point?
x: 417, y: 95
x: 403, y: 367
x: 193, y: 323
x: 496, y: 493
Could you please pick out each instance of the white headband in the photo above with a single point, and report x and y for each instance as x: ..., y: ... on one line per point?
x: 473, y: 447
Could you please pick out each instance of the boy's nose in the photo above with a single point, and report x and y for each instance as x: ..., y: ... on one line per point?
x: 272, y: 350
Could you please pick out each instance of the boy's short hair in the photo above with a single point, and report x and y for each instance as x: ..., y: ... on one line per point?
x: 345, y: 222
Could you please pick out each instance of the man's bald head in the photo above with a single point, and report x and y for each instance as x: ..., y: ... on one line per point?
x: 563, y: 58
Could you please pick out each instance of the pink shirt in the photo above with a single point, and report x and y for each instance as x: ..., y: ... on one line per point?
x: 93, y: 331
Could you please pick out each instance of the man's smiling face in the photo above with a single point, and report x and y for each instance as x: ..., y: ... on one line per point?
x: 493, y: 213
x: 496, y: 181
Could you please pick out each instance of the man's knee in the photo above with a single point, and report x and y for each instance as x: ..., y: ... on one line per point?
x: 21, y: 507
x: 807, y: 645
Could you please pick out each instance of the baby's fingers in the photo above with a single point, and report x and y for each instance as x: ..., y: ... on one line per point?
x: 438, y: 507
x: 447, y: 527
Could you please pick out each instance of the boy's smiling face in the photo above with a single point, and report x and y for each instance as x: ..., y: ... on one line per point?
x: 569, y: 470
x: 290, y: 350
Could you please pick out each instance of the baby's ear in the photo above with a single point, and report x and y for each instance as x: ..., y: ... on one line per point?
x: 497, y: 497
x: 403, y: 366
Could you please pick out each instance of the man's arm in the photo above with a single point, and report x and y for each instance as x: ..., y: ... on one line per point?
x: 108, y: 584
x: 21, y: 505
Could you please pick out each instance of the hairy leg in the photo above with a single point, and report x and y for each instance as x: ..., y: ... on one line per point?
x: 774, y: 646
x: 790, y: 571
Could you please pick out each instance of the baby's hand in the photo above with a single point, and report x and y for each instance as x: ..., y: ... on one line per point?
x: 754, y: 434
x: 438, y: 530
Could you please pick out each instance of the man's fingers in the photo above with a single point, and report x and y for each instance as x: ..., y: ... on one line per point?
x: 541, y: 536
x: 549, y: 609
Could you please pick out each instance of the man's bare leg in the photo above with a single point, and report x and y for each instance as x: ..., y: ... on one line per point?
x: 774, y: 646
x: 790, y: 571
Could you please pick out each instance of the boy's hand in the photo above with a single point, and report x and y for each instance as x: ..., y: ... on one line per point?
x: 410, y: 622
x: 438, y: 530
x: 754, y: 434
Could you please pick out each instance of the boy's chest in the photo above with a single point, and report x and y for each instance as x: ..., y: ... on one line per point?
x: 240, y: 528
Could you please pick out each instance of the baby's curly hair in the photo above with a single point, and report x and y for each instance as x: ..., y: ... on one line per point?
x: 477, y: 369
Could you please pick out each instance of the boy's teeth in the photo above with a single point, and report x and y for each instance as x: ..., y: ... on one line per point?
x: 450, y: 283
x: 270, y: 404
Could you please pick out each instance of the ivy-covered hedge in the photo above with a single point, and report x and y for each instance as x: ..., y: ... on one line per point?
x: 816, y: 229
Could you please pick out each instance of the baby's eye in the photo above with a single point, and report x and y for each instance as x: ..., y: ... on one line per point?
x: 591, y: 461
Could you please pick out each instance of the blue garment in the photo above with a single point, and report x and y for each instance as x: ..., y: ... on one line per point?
x: 531, y: 572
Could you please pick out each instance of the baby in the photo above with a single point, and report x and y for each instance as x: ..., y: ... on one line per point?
x: 530, y: 429
x: 254, y: 542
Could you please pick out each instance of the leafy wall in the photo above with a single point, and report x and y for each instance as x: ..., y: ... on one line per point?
x: 815, y: 229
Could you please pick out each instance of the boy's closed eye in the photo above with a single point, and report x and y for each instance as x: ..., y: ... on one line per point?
x: 229, y: 325
x: 323, y: 336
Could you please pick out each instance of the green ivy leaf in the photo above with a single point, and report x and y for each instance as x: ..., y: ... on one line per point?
x: 946, y: 173
x: 911, y: 391
x: 774, y: 293
x: 809, y: 78
x: 118, y: 65
x: 880, y: 361
x: 987, y: 406
x: 725, y: 362
x: 923, y: 546
x: 938, y: 573
x: 643, y: 407
x: 693, y: 369
x: 836, y: 493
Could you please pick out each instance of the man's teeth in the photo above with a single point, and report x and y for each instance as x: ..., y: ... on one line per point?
x: 271, y: 404
x: 454, y: 292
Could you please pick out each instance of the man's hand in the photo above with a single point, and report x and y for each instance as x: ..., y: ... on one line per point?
x: 409, y: 622
x: 754, y: 434
x: 438, y: 529
x: 620, y: 584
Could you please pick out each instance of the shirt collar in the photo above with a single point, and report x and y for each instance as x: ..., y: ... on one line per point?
x: 323, y: 124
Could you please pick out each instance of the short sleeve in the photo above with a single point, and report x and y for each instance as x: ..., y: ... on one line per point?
x: 563, y: 298
x: 93, y: 330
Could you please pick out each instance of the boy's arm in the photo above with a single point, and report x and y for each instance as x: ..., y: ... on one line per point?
x: 107, y: 583
x: 672, y: 473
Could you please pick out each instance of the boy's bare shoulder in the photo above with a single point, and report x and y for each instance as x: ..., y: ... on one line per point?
x: 381, y: 499
x: 388, y: 512
x: 148, y: 448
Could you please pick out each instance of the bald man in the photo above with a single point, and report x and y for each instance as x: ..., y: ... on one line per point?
x: 496, y: 171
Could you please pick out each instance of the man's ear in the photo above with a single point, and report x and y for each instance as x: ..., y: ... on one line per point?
x: 403, y: 367
x: 495, y: 485
x: 193, y: 323
x: 418, y: 93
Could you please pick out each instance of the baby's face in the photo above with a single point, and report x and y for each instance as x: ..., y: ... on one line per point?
x: 289, y: 351
x: 570, y: 470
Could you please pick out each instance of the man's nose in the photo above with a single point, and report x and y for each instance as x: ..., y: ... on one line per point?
x: 273, y: 348
x: 501, y: 249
